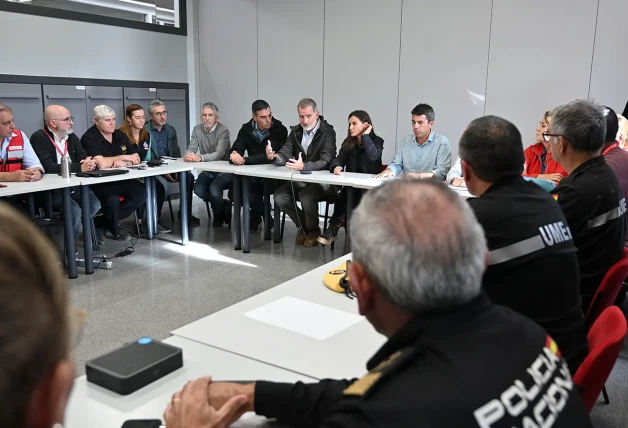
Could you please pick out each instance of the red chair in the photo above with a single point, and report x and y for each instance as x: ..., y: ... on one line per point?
x: 605, y: 341
x: 608, y: 290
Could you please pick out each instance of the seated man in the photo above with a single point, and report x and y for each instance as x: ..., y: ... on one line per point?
x: 55, y: 140
x: 311, y: 146
x: 452, y: 359
x: 110, y: 148
x: 19, y: 160
x: 591, y: 196
x: 263, y: 132
x: 533, y: 267
x: 163, y: 137
x: 210, y: 141
x: 424, y: 154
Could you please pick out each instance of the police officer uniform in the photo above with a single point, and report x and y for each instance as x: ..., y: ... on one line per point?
x: 477, y: 365
x: 533, y: 267
x: 595, y: 208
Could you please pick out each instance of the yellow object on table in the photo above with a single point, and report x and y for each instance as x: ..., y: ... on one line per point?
x: 332, y: 278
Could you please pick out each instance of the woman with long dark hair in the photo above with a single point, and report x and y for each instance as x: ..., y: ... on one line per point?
x: 361, y: 152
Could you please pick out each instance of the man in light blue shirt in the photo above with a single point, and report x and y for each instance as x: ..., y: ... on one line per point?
x: 425, y: 154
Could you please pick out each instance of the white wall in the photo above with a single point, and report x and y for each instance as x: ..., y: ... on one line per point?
x: 464, y: 57
x: 41, y: 46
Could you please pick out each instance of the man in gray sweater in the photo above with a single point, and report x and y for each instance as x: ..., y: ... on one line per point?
x: 210, y: 142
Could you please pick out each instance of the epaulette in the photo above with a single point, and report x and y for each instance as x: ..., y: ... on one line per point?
x: 366, y: 384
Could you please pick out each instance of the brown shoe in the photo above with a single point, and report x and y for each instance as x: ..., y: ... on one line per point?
x: 301, y: 237
x: 311, y: 240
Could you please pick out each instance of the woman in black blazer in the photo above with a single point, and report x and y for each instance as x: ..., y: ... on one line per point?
x: 360, y: 152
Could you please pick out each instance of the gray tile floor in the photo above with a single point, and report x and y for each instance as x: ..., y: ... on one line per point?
x: 163, y: 286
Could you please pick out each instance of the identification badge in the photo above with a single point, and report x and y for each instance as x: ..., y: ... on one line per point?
x: 123, y: 148
x: 146, y: 145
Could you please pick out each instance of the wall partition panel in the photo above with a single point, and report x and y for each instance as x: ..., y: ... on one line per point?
x: 362, y: 65
x: 610, y: 62
x: 540, y: 57
x: 290, y: 55
x: 27, y: 105
x: 444, y: 51
x: 176, y: 106
x: 107, y: 95
x: 71, y: 97
x: 228, y: 58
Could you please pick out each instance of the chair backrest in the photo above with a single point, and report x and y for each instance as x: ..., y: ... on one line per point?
x: 605, y: 341
x: 609, y: 289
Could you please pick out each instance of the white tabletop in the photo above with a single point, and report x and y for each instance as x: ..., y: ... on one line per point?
x: 48, y: 182
x: 343, y: 355
x: 170, y: 168
x: 95, y: 407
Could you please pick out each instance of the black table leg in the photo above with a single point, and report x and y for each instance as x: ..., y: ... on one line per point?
x: 267, y: 209
x: 277, y: 226
x: 246, y: 216
x: 350, y: 202
x: 237, y: 206
x: 150, y: 224
x: 30, y: 200
x: 69, y: 233
x: 87, y: 230
x: 49, y: 204
x: 155, y: 213
x: 183, y: 206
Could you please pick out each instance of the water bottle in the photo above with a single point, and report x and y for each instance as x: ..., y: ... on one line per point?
x: 65, y: 167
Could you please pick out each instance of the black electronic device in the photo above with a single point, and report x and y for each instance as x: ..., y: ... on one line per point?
x: 134, y: 365
x: 305, y: 172
x: 142, y: 423
x: 102, y: 172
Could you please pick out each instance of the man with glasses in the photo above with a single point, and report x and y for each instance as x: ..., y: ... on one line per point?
x: 56, y: 140
x: 163, y: 137
x: 591, y: 196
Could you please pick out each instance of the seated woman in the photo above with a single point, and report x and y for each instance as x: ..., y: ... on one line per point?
x: 39, y: 330
x: 539, y: 162
x: 133, y: 127
x: 361, y: 152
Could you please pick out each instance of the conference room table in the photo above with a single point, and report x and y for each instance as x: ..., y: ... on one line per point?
x: 96, y: 407
x: 242, y: 173
x: 300, y: 326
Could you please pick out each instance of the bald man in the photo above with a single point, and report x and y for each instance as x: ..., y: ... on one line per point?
x: 55, y: 140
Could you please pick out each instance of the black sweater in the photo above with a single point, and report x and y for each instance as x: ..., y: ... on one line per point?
x: 247, y: 141
x: 366, y: 158
x: 47, y: 153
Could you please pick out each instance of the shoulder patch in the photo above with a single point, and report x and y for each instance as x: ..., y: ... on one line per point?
x: 361, y: 386
x: 555, y: 196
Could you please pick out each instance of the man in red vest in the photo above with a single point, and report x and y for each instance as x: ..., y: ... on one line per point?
x: 19, y: 161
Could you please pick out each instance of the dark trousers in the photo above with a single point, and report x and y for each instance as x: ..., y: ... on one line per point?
x: 210, y: 187
x: 161, y: 193
x: 309, y: 194
x: 133, y: 194
x: 340, y: 207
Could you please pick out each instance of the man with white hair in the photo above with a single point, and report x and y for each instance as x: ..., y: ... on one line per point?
x: 164, y: 139
x: 452, y: 359
x: 56, y: 140
x: 111, y: 148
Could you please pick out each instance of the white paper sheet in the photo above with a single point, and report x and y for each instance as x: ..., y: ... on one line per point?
x: 303, y: 317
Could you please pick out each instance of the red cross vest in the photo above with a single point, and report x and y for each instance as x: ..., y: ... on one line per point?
x: 15, y: 153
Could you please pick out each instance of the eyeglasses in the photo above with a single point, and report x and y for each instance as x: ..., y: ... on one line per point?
x: 67, y: 119
x: 161, y: 113
x: 546, y: 136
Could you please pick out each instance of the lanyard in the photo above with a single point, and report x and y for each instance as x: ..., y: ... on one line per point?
x: 57, y: 147
x: 611, y: 147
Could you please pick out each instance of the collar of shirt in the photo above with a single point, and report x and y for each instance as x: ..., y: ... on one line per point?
x: 439, y: 321
x: 313, y: 131
x: 260, y: 134
x: 211, y: 130
x: 598, y: 160
x: 430, y: 139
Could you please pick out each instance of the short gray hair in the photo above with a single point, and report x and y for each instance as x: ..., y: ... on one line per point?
x: 420, y: 244
x: 307, y: 102
x: 102, y: 111
x: 4, y: 107
x: 153, y: 104
x: 581, y: 123
x: 210, y: 105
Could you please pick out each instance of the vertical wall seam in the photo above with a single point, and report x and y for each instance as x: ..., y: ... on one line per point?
x: 399, y: 74
x: 488, y: 56
x: 597, y: 14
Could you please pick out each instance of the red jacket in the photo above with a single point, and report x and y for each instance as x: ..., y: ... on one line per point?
x: 533, y: 162
x: 15, y: 153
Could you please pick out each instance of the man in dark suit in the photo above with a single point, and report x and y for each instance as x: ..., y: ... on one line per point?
x: 55, y: 140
